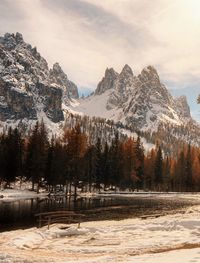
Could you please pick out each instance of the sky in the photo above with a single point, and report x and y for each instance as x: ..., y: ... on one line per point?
x: 87, y: 36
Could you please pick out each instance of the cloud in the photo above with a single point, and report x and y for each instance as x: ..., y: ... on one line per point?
x: 86, y: 36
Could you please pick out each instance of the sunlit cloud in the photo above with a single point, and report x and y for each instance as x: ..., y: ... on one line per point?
x: 86, y: 36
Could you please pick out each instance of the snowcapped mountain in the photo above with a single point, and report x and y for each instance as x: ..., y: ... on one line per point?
x: 142, y: 101
x: 29, y: 90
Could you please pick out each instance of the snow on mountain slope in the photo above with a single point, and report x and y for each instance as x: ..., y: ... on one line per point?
x: 30, y: 91
x: 139, y: 101
x: 95, y: 105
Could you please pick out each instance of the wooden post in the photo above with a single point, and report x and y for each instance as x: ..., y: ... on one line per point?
x: 49, y: 221
x: 40, y: 221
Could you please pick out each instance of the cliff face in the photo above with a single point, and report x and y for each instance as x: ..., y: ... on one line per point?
x: 15, y: 103
x: 29, y: 91
x: 70, y: 90
x: 28, y: 88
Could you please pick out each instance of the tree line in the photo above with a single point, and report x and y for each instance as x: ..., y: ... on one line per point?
x: 73, y: 162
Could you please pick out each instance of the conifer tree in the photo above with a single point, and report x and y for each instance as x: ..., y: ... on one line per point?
x: 149, y: 168
x: 139, y: 164
x: 188, y: 170
x: 115, y: 161
x: 37, y: 151
x: 76, y: 147
x: 196, y: 172
x: 49, y: 175
x: 158, y: 169
x: 180, y: 175
x: 129, y: 164
x: 166, y: 174
x: 13, y: 155
x: 105, y: 166
x: 98, y: 164
x: 2, y: 158
x: 90, y: 166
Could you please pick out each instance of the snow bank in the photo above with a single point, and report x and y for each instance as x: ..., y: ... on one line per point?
x: 20, y: 190
x: 130, y: 240
x: 16, y: 194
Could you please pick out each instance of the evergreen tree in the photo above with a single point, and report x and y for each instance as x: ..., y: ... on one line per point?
x: 13, y: 155
x: 105, y: 166
x: 2, y: 158
x: 166, y: 174
x: 188, y: 170
x: 76, y: 147
x: 98, y: 164
x: 139, y: 164
x: 149, y: 170
x: 129, y: 176
x: 36, y: 157
x: 180, y: 176
x: 115, y: 161
x: 158, y: 169
x: 90, y: 166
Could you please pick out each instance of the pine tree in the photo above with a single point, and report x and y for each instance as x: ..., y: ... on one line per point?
x: 129, y: 164
x: 13, y: 155
x: 105, y: 166
x: 36, y: 157
x: 180, y: 176
x: 166, y: 174
x: 139, y: 164
x: 98, y: 164
x: 115, y: 168
x: 76, y: 148
x: 188, y: 170
x: 158, y: 169
x: 2, y: 158
x: 90, y: 166
x: 196, y: 172
x: 149, y: 170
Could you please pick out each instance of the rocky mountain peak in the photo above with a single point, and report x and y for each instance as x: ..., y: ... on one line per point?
x: 150, y: 74
x: 57, y: 68
x: 126, y: 72
x: 107, y: 82
x: 110, y: 72
x: 182, y: 105
x: 28, y: 89
x: 11, y: 41
x: 142, y: 101
x: 58, y: 76
x: 19, y: 38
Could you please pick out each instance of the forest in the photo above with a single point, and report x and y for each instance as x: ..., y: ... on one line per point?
x: 73, y: 162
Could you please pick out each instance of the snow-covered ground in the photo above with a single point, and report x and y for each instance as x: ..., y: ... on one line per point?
x: 172, y: 238
x: 25, y: 192
x: 16, y: 194
x: 20, y: 190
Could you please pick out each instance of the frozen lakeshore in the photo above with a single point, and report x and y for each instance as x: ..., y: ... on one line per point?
x: 19, y: 206
x: 153, y: 240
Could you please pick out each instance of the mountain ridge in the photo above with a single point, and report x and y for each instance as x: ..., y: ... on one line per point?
x: 30, y: 91
x: 142, y: 101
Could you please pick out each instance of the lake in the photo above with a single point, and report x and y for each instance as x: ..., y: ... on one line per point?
x: 20, y: 213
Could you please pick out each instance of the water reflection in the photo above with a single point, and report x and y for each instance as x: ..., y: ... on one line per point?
x: 20, y: 213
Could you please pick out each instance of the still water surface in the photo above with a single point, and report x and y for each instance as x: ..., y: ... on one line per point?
x: 20, y: 213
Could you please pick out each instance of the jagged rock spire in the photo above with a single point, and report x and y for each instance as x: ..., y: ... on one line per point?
x: 107, y: 82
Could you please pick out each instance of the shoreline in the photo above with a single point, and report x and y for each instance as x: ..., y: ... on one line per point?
x: 129, y: 240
